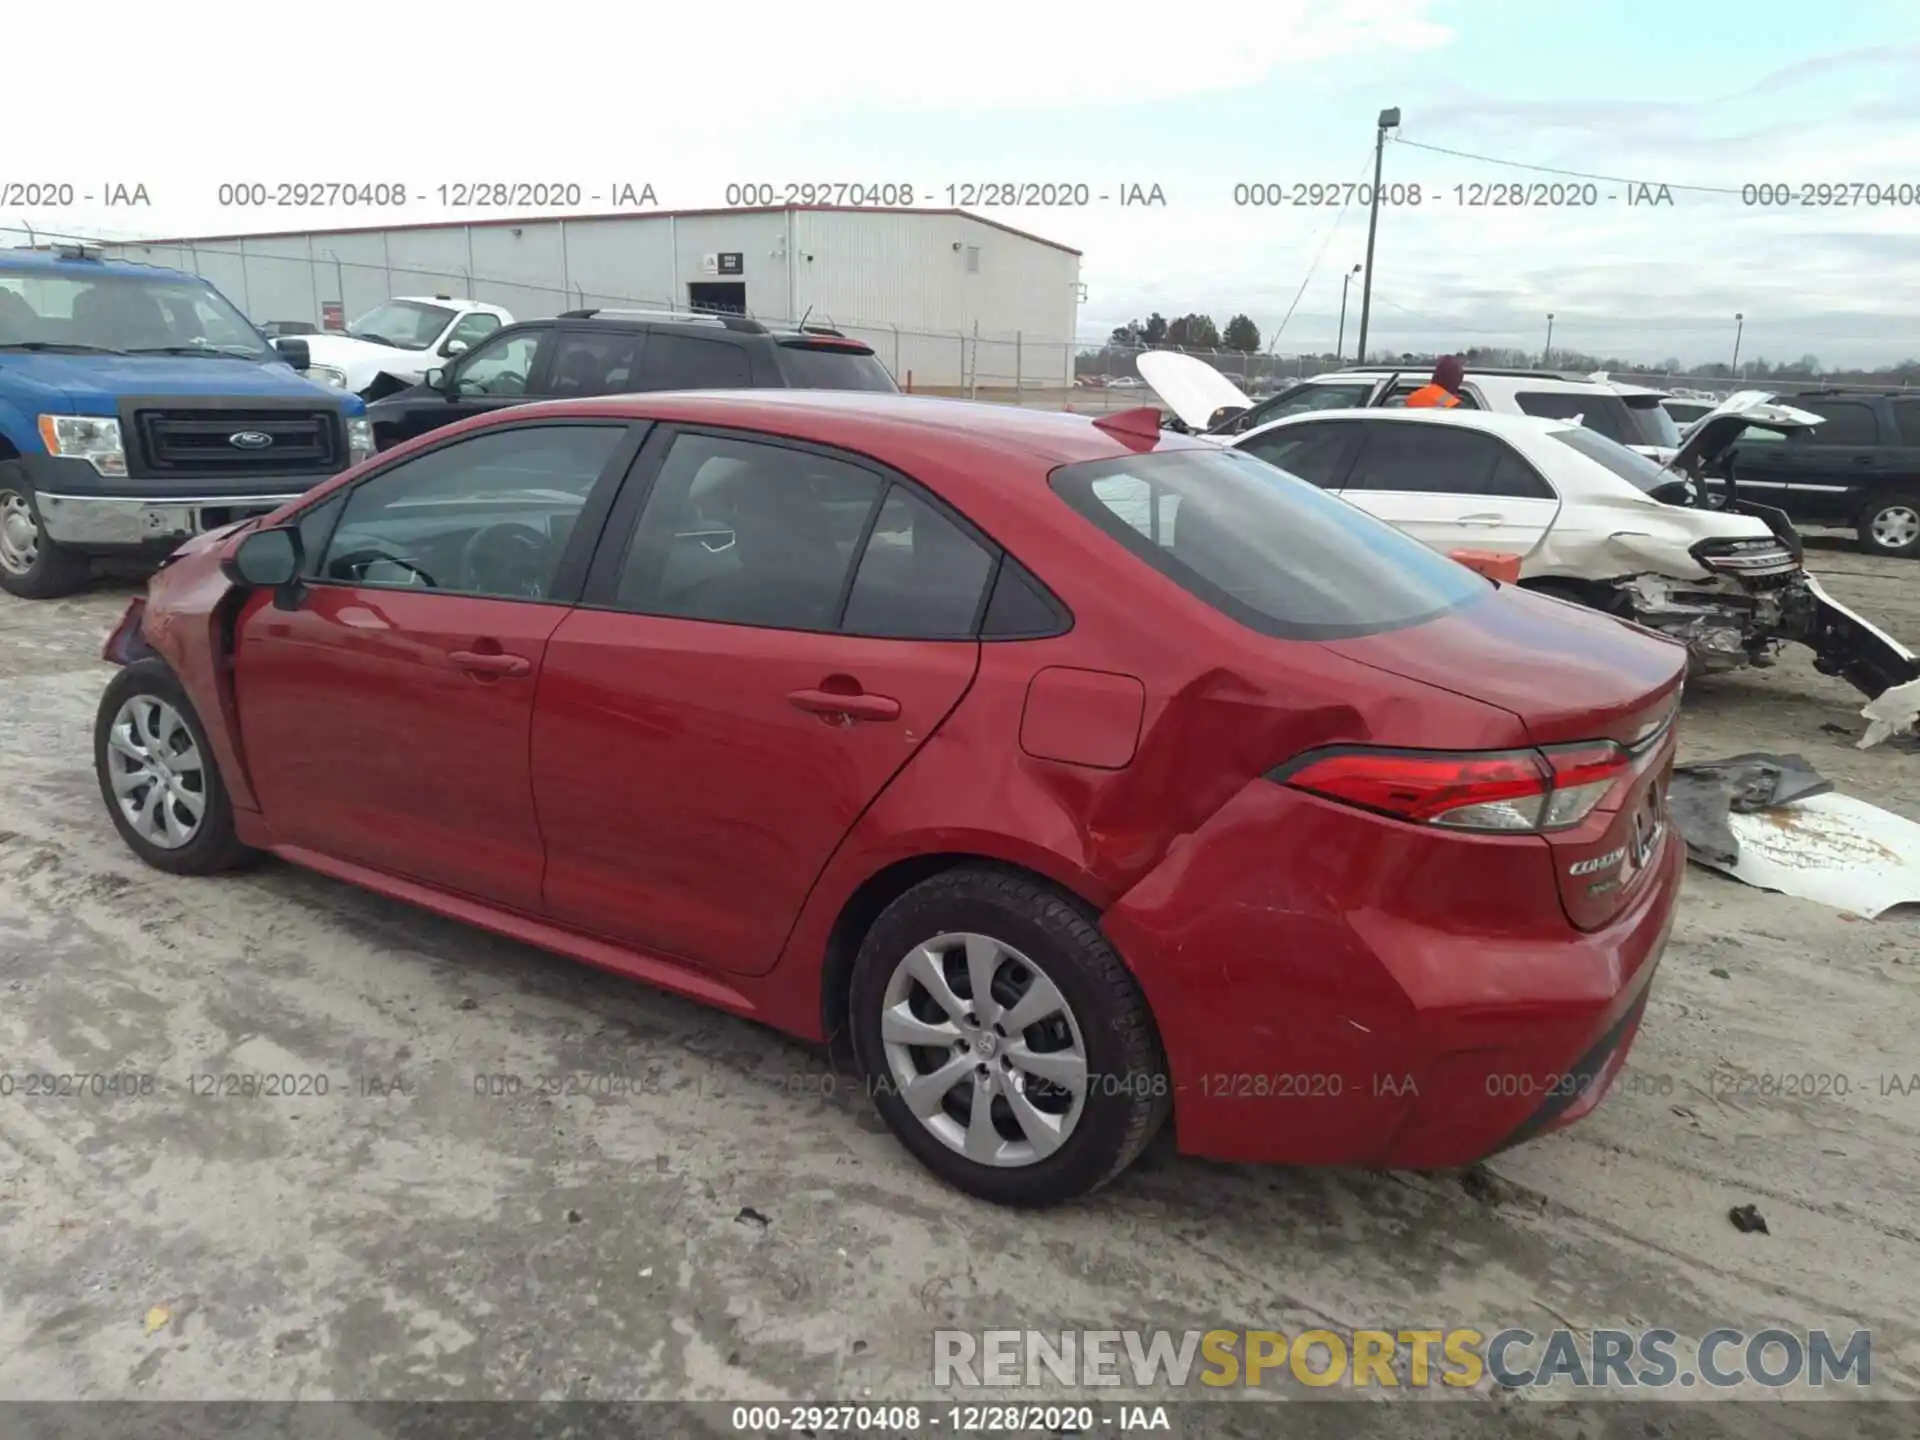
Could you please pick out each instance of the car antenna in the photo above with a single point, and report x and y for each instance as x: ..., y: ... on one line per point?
x: 803, y: 319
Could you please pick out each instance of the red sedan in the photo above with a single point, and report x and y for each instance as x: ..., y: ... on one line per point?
x: 1072, y: 774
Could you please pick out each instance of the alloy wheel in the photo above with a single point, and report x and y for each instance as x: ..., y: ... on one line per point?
x: 984, y: 1050
x: 1896, y: 526
x: 158, y: 777
x: 19, y: 533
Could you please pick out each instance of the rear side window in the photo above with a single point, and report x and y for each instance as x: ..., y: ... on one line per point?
x: 686, y: 362
x: 595, y: 362
x: 1605, y: 414
x: 1272, y: 552
x: 921, y: 576
x: 1651, y: 422
x: 833, y: 367
x: 1848, y: 422
x: 1432, y: 459
x: 1319, y: 452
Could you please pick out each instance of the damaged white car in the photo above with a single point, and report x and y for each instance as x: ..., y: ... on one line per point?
x: 393, y: 345
x: 1596, y: 523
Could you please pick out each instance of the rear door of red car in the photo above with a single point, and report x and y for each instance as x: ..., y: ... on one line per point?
x: 386, y: 715
x: 770, y: 631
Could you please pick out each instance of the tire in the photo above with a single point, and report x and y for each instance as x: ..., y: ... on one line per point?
x: 1890, y: 524
x: 1041, y: 936
x: 147, y: 696
x: 32, y: 566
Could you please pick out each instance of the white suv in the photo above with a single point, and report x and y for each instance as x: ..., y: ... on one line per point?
x: 1208, y: 402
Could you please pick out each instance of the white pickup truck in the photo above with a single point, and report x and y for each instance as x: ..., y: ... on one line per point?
x: 393, y: 345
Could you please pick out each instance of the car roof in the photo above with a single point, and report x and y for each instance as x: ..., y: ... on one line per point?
x: 898, y: 429
x: 41, y: 262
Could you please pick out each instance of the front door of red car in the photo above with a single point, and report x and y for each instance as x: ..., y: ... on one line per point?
x: 386, y: 716
x: 761, y: 649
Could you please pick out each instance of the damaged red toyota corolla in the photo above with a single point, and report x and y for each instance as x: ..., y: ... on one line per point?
x: 1074, y: 774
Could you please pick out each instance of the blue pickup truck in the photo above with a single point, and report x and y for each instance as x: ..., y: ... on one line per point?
x: 138, y: 407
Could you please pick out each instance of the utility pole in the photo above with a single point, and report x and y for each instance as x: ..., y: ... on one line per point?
x: 1340, y: 345
x: 1389, y: 120
x: 1739, y: 325
x: 1546, y: 355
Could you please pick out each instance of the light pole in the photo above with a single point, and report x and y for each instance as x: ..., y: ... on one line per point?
x: 1739, y: 325
x: 1546, y: 355
x: 1340, y: 345
x: 1389, y: 120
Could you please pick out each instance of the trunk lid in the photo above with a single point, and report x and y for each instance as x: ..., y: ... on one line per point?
x: 1572, y: 677
x: 1713, y: 434
x: 1192, y: 389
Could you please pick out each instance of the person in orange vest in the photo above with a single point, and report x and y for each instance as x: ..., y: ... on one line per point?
x: 1443, y: 390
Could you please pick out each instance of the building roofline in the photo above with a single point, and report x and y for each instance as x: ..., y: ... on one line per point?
x: 612, y: 215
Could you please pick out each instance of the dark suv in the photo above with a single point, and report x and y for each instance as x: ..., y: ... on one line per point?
x: 617, y: 352
x: 1859, y: 469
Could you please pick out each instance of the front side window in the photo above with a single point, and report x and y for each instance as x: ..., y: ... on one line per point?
x: 503, y: 366
x: 1308, y: 397
x: 402, y: 324
x: 489, y: 515
x: 130, y: 314
x: 1319, y: 452
x: 1271, y: 551
x: 749, y: 534
x: 1848, y: 422
x: 473, y: 328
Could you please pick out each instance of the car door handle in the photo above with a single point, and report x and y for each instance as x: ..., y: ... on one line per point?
x: 1488, y: 521
x: 855, y: 707
x: 476, y: 662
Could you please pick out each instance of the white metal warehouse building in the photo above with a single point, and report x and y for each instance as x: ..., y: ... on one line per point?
x: 946, y: 298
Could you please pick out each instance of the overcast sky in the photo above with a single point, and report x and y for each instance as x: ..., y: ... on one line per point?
x: 1194, y: 98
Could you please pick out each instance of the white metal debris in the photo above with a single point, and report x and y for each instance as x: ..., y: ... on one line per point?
x: 1890, y: 712
x: 1832, y: 849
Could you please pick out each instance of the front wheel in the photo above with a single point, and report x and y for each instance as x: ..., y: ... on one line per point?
x: 1006, y: 1044
x: 159, y: 777
x: 32, y: 566
x: 1890, y: 525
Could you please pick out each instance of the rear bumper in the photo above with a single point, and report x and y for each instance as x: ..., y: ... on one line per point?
x: 1333, y: 988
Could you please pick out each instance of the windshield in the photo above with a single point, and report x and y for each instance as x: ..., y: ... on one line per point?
x: 1307, y: 397
x: 1634, y: 468
x: 402, y: 324
x: 1265, y: 547
x: 1606, y: 413
x: 1651, y: 421
x: 128, y: 314
x: 834, y: 367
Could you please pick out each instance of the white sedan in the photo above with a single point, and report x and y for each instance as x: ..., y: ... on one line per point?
x: 1594, y: 522
x: 400, y: 339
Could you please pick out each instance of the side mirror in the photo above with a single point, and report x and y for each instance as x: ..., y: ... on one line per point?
x: 454, y: 347
x: 266, y: 559
x: 436, y: 379
x: 294, y: 351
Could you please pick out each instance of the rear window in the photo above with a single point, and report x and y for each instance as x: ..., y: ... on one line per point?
x: 1634, y: 468
x: 1651, y: 421
x: 1607, y: 414
x: 833, y: 367
x: 1264, y: 547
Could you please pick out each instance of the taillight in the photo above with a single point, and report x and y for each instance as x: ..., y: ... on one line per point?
x: 1511, y: 791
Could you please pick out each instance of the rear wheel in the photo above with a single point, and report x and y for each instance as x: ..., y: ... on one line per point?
x: 32, y: 566
x: 1007, y: 1046
x: 1890, y: 524
x: 158, y: 776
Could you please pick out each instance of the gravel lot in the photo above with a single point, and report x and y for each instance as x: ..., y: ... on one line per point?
x: 404, y: 1237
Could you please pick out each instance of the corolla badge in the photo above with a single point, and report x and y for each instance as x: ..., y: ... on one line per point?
x: 249, y: 440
